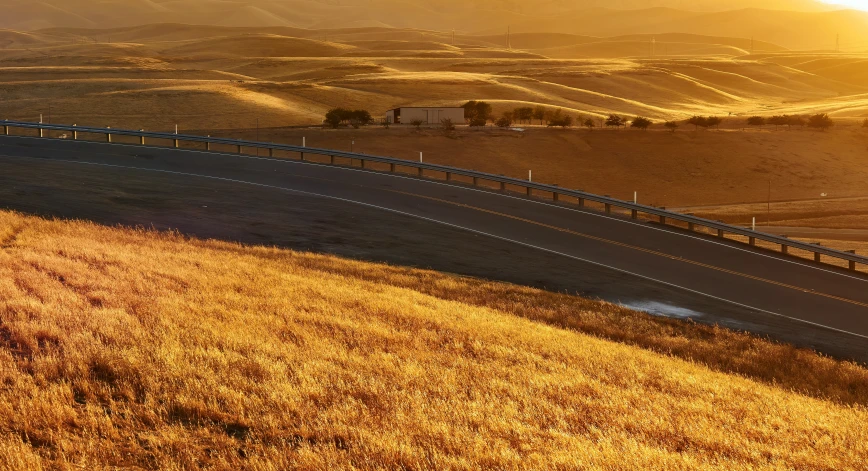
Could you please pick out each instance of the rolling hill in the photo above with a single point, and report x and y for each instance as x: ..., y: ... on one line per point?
x: 803, y: 24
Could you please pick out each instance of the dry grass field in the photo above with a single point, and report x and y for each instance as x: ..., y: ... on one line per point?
x: 132, y: 349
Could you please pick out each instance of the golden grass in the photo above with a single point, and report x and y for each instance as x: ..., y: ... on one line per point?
x: 125, y: 348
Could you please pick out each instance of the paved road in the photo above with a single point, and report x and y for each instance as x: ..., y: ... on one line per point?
x: 451, y: 227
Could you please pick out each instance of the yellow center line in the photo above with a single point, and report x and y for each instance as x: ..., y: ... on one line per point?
x: 641, y: 249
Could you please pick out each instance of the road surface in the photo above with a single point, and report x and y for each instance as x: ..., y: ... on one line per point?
x: 405, y: 220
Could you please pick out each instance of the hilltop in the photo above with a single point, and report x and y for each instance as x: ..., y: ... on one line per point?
x: 126, y: 348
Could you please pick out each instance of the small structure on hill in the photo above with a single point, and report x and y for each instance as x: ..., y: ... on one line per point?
x: 428, y: 115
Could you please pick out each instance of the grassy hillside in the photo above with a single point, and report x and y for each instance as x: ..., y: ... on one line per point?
x: 125, y: 348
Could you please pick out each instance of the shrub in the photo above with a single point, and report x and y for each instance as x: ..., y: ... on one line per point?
x: 478, y: 122
x: 417, y: 123
x: 640, y: 123
x: 820, y: 121
x: 589, y: 123
x: 447, y: 125
x: 503, y: 122
x: 671, y: 125
x: 865, y: 123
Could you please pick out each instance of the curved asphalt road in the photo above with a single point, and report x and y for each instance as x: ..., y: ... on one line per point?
x: 714, y: 280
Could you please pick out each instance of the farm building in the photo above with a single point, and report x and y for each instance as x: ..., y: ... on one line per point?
x: 429, y: 115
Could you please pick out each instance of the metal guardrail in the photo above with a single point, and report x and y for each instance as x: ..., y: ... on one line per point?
x: 556, y: 191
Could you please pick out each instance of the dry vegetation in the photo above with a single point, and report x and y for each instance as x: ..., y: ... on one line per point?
x: 123, y: 348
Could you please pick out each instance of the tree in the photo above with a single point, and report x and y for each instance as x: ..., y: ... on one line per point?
x: 756, y: 121
x: 559, y: 118
x: 336, y: 116
x: 477, y: 122
x: 417, y: 123
x: 797, y: 120
x: 476, y: 110
x: 589, y: 123
x: 779, y: 120
x: 714, y: 121
x: 539, y: 113
x: 640, y: 123
x: 613, y: 120
x: 820, y: 121
x: 339, y: 116
x: 523, y: 114
x: 447, y: 125
x: 865, y: 123
x: 698, y: 121
x: 671, y: 125
x: 362, y: 117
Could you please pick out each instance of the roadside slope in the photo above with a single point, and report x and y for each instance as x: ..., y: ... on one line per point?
x: 134, y: 348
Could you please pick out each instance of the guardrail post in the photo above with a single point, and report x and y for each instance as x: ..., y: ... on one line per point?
x: 332, y: 160
x: 581, y: 202
x: 554, y: 196
x: 362, y: 163
x: 392, y: 168
x: 502, y: 186
x: 720, y: 233
x: 529, y: 192
x: 785, y: 249
x: 5, y: 129
x: 690, y: 226
x: 108, y: 135
x: 662, y: 219
x: 271, y: 152
x: 420, y: 171
x: 176, y: 143
x: 74, y: 133
x: 817, y: 256
x: 448, y: 176
x: 634, y: 214
x: 41, y: 132
x: 208, y: 145
x: 852, y: 263
x: 608, y: 208
x: 751, y: 241
x: 301, y: 156
x: 475, y: 181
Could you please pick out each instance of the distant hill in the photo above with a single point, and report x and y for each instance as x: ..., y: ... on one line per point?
x: 795, y: 24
